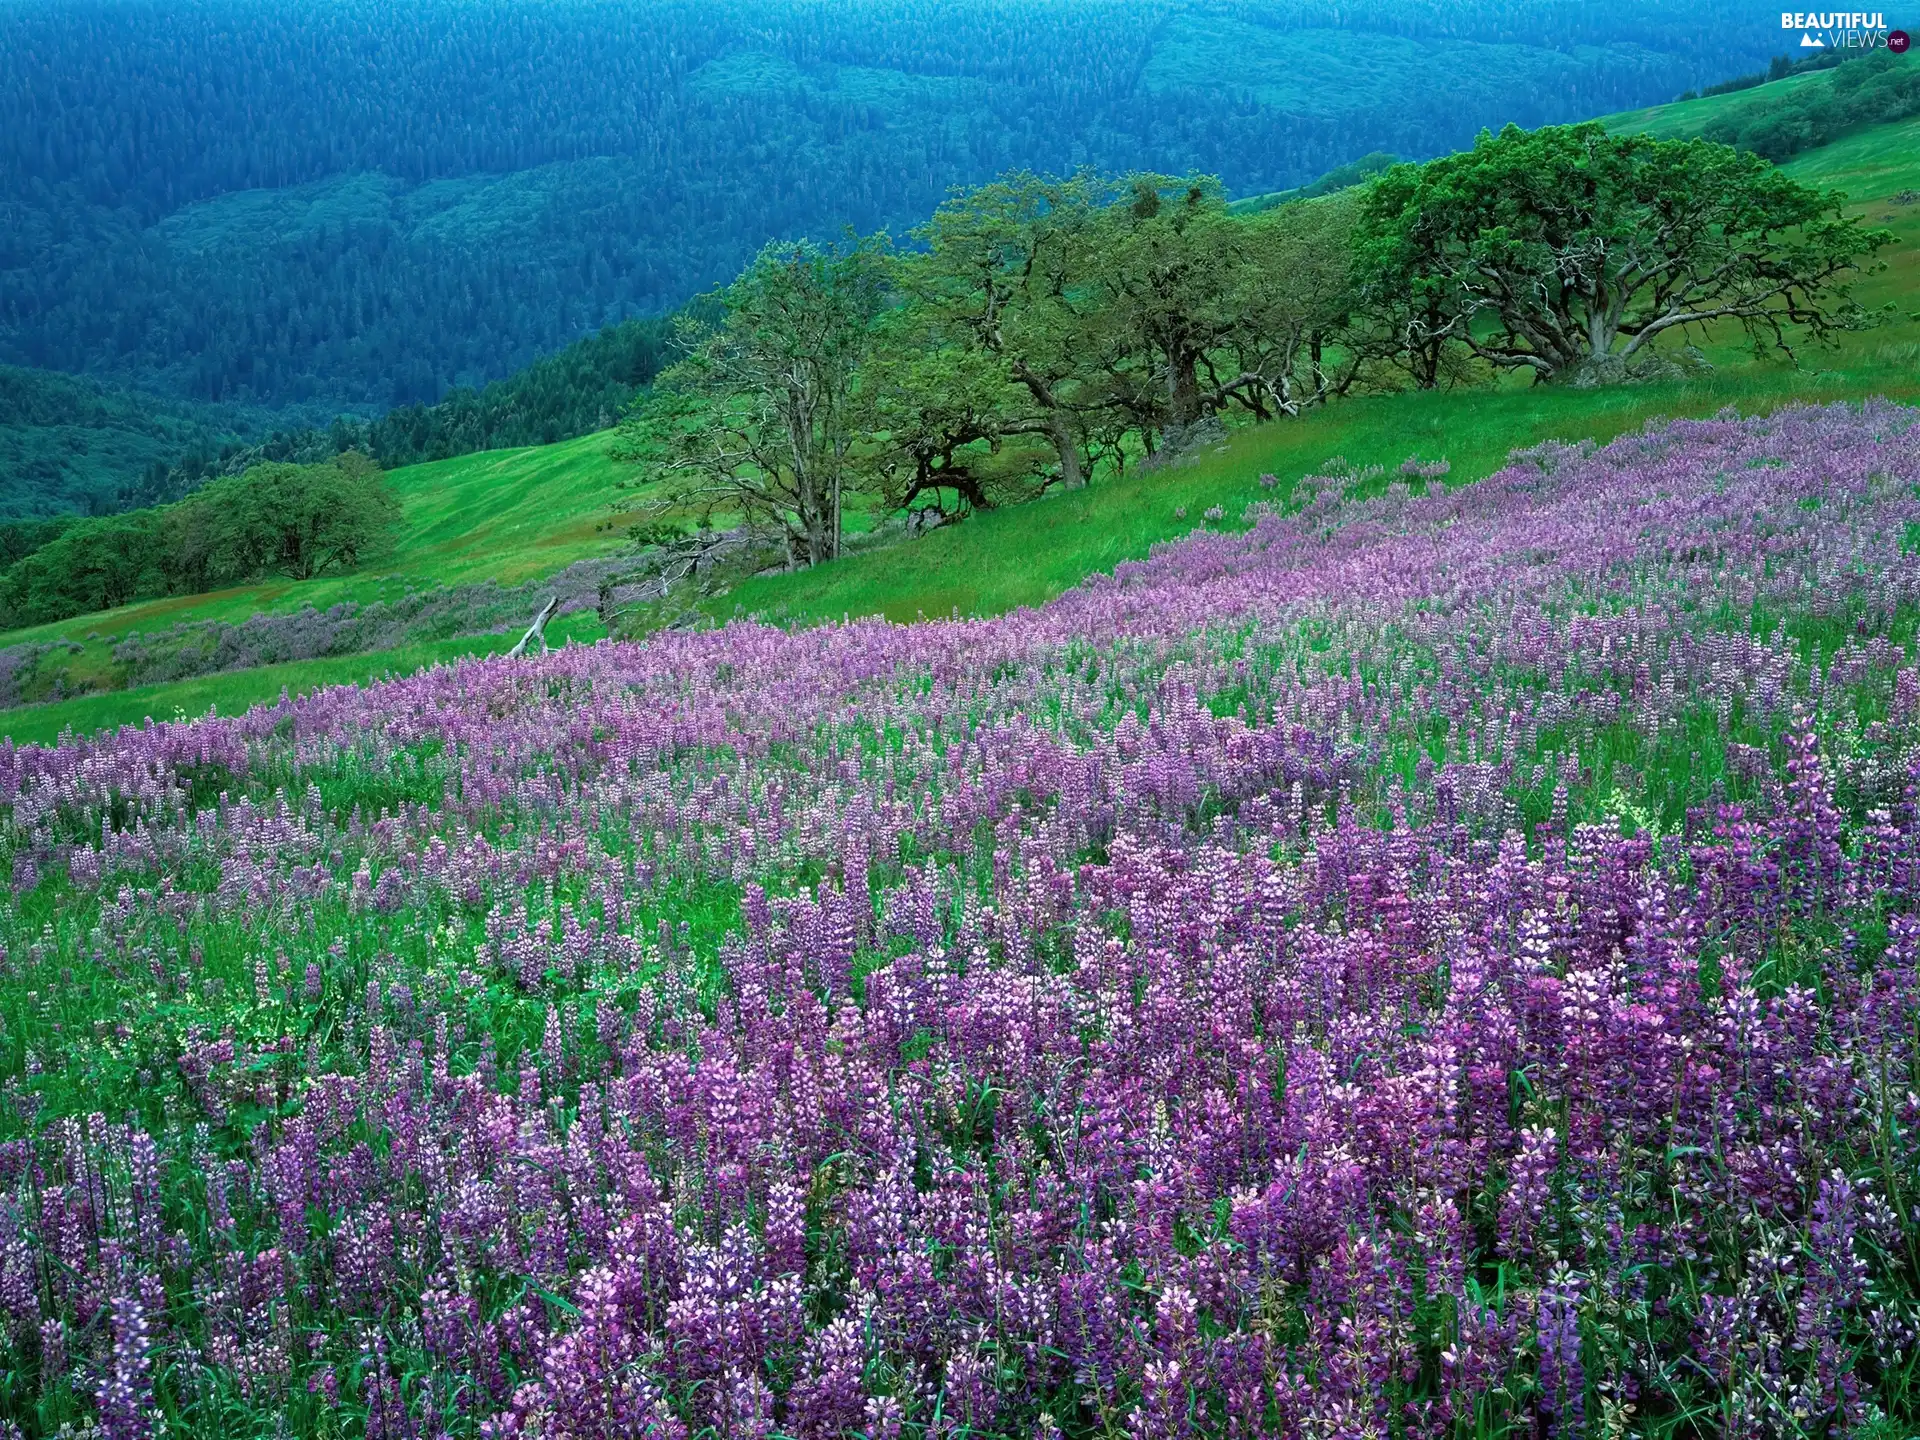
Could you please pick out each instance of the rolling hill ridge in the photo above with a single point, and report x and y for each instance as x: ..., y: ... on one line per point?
x: 515, y: 516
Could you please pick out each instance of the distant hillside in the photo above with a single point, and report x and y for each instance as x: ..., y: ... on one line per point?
x: 70, y: 445
x: 473, y: 531
x: 73, y: 446
x: 479, y: 531
x: 579, y: 389
x: 355, y: 206
x: 1785, y: 115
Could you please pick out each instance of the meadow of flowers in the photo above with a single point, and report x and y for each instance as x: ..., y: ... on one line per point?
x: 1422, y: 963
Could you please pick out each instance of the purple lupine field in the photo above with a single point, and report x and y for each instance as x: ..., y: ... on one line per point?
x: 1434, y: 964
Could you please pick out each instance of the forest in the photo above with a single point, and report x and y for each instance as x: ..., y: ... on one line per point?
x: 306, y: 206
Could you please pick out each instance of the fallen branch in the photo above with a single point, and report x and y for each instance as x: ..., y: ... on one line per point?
x: 537, y: 630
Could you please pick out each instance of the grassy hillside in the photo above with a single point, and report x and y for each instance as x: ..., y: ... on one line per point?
x: 1684, y: 118
x: 518, y: 514
x: 1025, y: 557
x: 1797, y: 113
x: 505, y: 515
x: 999, y: 561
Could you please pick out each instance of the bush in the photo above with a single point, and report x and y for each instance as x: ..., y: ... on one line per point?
x: 95, y: 564
x: 298, y: 520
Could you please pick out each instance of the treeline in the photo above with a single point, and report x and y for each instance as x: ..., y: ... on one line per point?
x: 1041, y: 330
x: 585, y: 387
x: 348, y: 205
x: 1876, y: 88
x: 73, y: 445
x: 275, y: 518
x: 1782, y: 67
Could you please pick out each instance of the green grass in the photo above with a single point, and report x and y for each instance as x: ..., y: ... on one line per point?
x: 505, y: 515
x: 1683, y: 118
x: 1872, y: 165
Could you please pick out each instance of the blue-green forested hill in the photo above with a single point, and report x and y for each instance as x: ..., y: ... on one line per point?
x: 358, y: 205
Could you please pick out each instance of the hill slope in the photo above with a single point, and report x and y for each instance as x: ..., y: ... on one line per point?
x: 1025, y: 556
x: 343, y: 202
x: 516, y: 515
x: 1795, y: 113
x: 472, y: 530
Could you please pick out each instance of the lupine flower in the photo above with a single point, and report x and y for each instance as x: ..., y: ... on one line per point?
x: 1420, y: 963
x: 126, y: 1395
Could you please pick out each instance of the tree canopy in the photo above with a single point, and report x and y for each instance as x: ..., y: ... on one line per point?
x: 296, y: 520
x: 276, y: 518
x: 1872, y: 89
x: 757, y: 417
x: 1568, y: 251
x: 1040, y: 329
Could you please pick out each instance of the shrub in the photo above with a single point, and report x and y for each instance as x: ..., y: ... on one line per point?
x: 299, y: 520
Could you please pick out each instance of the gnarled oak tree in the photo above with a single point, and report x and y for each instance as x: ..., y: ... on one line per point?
x: 1570, y: 252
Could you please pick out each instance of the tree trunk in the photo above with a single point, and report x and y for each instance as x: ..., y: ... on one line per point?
x: 537, y: 630
x: 1183, y: 388
x: 1071, y: 476
x: 1426, y: 364
x: 814, y: 524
